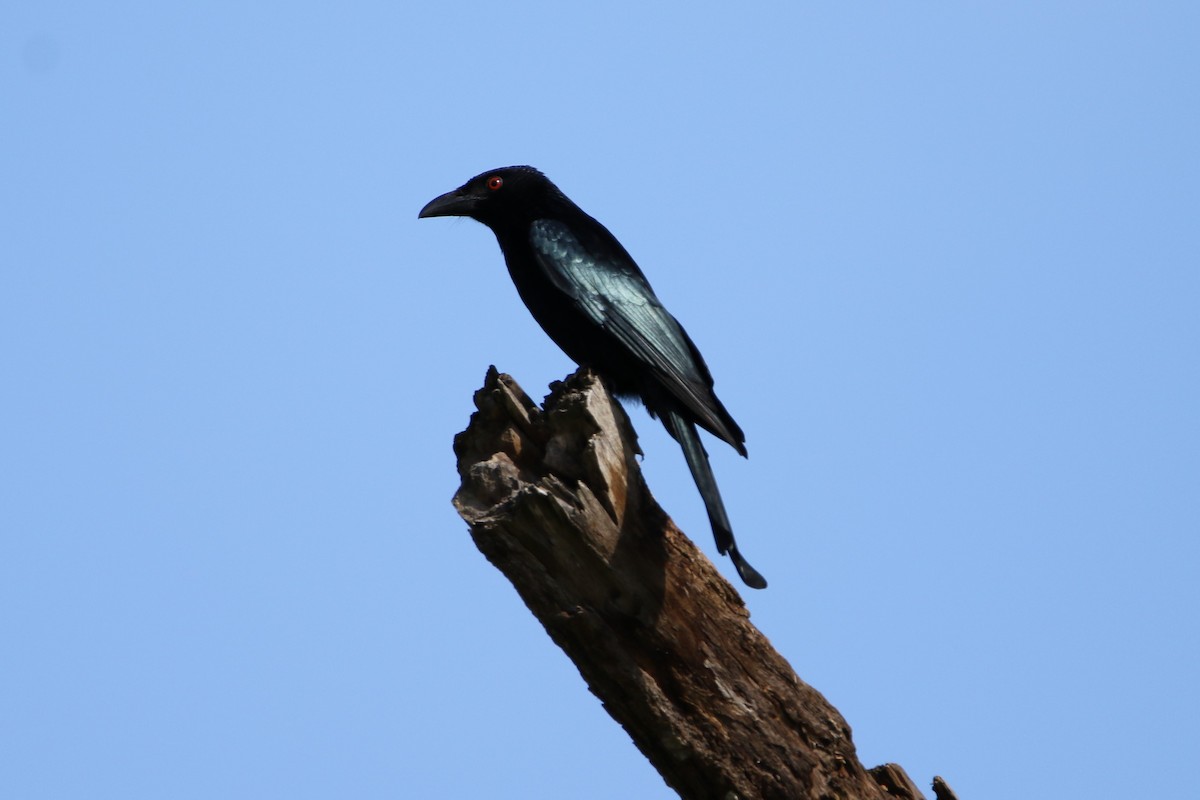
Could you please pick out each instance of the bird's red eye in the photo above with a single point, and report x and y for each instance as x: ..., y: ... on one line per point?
x: 495, y: 182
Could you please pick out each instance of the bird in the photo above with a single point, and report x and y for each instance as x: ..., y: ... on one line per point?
x: 591, y: 298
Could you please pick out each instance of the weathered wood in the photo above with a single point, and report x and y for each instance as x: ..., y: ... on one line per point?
x: 942, y: 790
x: 555, y: 499
x: 895, y: 780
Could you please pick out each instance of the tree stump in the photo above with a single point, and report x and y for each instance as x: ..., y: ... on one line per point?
x: 555, y: 499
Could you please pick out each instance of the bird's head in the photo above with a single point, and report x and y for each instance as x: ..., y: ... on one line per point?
x: 496, y: 196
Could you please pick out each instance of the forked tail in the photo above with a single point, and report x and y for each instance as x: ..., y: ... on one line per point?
x: 685, y: 433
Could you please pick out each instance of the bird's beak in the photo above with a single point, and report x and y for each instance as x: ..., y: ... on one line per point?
x: 450, y: 204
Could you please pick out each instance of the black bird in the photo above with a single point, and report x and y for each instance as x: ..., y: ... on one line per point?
x: 589, y: 296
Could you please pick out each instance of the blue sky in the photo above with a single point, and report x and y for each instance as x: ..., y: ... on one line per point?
x: 941, y: 260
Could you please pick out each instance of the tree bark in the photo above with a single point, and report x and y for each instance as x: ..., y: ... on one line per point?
x: 555, y: 500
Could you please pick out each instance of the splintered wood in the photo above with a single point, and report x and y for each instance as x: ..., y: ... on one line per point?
x: 555, y: 500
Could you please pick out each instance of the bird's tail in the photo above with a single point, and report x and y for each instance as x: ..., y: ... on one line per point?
x: 685, y: 433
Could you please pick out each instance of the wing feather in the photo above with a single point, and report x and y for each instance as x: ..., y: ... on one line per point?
x: 612, y: 292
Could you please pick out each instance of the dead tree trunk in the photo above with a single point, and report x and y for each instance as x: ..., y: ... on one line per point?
x: 556, y: 501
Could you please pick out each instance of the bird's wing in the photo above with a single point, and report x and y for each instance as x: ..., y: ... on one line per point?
x: 613, y: 293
